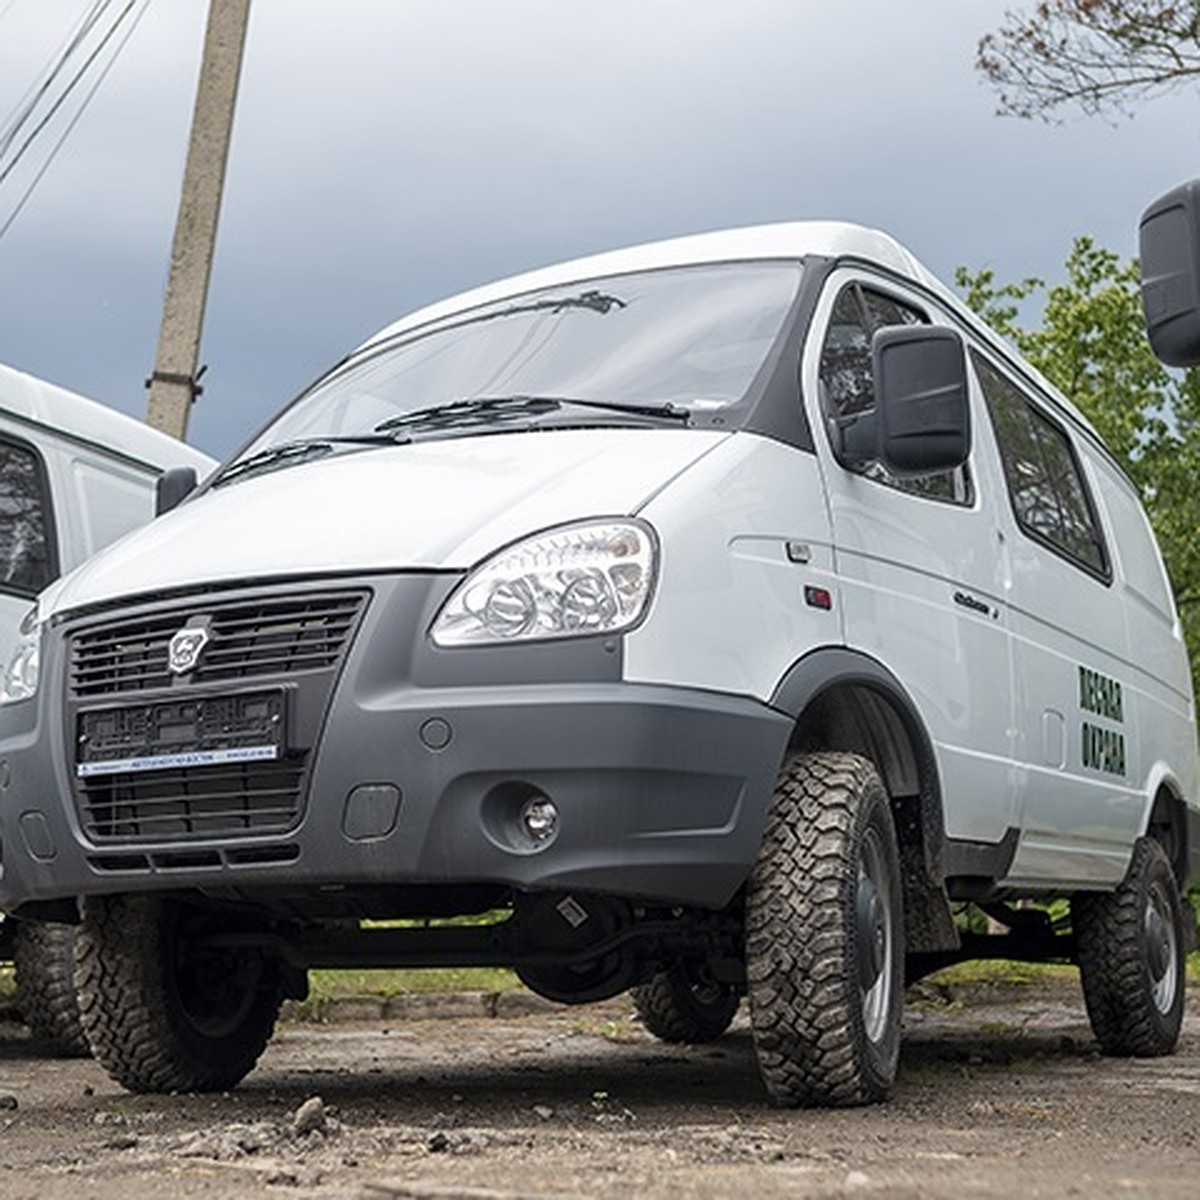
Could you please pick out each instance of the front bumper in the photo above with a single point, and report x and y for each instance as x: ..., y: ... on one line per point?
x: 418, y: 764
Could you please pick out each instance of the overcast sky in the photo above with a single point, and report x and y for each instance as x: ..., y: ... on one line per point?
x: 388, y: 153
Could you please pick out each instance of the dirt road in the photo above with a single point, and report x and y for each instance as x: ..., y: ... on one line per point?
x: 1001, y: 1094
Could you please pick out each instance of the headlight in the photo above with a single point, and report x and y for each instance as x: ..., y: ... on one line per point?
x: 21, y: 678
x: 593, y: 577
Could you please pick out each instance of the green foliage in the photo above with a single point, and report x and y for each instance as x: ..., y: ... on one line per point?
x: 1092, y: 345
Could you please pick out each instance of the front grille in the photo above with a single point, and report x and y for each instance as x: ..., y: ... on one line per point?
x: 194, y: 803
x: 219, y: 753
x: 247, y: 639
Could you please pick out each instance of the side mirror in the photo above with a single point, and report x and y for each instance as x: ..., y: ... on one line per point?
x: 172, y: 487
x: 921, y: 423
x: 1170, y: 257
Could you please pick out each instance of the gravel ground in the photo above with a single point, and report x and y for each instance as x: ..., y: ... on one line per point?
x: 1001, y: 1094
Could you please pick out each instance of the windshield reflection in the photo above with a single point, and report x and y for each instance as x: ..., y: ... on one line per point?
x: 682, y: 339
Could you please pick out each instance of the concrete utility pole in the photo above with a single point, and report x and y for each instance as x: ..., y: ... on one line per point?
x: 173, y: 385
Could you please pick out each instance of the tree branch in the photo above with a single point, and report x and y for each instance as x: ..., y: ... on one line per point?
x: 1102, y: 55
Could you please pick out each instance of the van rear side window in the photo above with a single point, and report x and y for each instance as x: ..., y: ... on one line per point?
x: 26, y: 555
x: 1049, y: 495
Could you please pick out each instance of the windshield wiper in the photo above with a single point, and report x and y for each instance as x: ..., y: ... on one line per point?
x: 297, y: 451
x: 674, y: 412
x: 484, y: 410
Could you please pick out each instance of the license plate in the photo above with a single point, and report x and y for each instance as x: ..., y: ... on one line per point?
x: 175, y: 734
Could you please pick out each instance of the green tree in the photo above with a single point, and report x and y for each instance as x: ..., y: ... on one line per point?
x: 1099, y: 55
x: 1092, y: 345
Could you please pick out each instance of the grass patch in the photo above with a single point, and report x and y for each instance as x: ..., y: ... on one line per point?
x: 1002, y: 970
x: 327, y: 985
x: 1006, y: 971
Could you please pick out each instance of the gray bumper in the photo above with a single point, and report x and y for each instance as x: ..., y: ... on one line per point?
x: 419, y: 767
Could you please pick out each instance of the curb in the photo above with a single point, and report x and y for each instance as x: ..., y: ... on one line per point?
x: 406, y: 1006
x: 417, y: 1006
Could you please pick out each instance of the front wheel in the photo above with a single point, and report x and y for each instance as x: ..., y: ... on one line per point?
x: 166, y: 1007
x: 1130, y: 947
x: 824, y: 936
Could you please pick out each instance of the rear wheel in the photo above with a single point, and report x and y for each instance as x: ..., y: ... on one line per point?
x: 44, y: 966
x: 1130, y: 946
x: 165, y: 1010
x: 685, y: 1004
x: 824, y: 936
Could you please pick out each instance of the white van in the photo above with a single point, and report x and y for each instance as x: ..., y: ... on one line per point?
x: 707, y: 618
x: 74, y: 476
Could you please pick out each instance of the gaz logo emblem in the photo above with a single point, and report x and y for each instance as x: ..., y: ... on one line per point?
x: 185, y: 648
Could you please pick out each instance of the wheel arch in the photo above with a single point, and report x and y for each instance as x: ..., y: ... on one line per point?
x: 1169, y: 821
x: 842, y: 699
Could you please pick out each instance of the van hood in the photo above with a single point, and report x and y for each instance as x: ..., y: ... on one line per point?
x: 437, y: 505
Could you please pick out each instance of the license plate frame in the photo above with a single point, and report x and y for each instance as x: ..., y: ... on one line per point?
x: 170, y: 734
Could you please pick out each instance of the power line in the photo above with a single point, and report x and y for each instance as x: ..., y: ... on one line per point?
x: 37, y: 178
x: 40, y: 91
x: 61, y: 99
x: 28, y: 103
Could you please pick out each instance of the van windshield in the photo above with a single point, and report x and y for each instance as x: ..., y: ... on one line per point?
x: 640, y: 348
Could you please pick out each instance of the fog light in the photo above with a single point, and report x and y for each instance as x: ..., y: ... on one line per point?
x: 539, y: 818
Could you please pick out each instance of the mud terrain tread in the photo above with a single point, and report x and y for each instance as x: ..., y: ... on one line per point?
x: 121, y: 1002
x: 127, y: 1009
x: 1109, y: 931
x: 44, y: 966
x: 669, y: 1008
x: 800, y: 908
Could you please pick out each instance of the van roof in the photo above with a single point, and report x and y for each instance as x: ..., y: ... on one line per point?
x: 785, y: 240
x: 36, y: 404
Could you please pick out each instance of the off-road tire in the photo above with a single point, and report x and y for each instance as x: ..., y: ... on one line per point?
x: 1130, y: 947
x: 160, y: 1016
x: 44, y: 967
x: 824, y: 936
x: 681, y: 1005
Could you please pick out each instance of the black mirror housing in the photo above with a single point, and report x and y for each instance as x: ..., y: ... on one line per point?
x: 921, y: 402
x: 172, y: 487
x: 1169, y: 248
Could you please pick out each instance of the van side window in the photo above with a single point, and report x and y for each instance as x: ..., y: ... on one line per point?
x: 1049, y: 494
x: 26, y: 559
x: 847, y: 385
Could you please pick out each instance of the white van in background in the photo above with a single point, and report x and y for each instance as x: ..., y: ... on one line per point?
x: 74, y: 476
